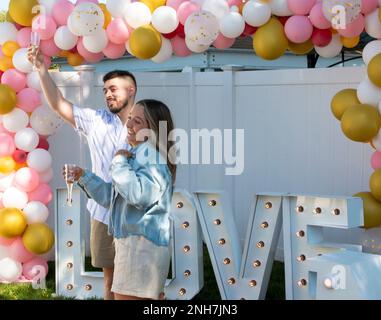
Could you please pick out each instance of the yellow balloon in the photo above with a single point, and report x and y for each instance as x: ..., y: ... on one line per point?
x: 301, y: 48
x: 342, y: 101
x: 9, y: 48
x: 12, y: 222
x: 38, y: 238
x: 9, y: 18
x: 7, y: 99
x: 350, y: 42
x: 375, y: 184
x: 23, y: 11
x: 372, y: 209
x: 107, y: 14
x: 145, y: 42
x: 153, y: 4
x: 5, y: 63
x: 75, y: 59
x: 360, y: 122
x: 270, y: 41
x: 7, y: 165
x: 374, y: 70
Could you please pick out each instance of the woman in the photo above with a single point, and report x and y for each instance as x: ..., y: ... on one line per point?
x: 139, y: 198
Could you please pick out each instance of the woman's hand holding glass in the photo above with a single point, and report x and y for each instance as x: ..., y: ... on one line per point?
x: 71, y: 173
x: 35, y: 57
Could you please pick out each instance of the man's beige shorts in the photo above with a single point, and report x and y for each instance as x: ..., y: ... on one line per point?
x: 101, y: 246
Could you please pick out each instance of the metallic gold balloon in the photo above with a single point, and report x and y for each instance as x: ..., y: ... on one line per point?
x: 7, y: 165
x: 270, y: 41
x: 350, y: 42
x: 9, y: 48
x: 38, y: 238
x: 375, y: 184
x: 23, y: 11
x: 75, y: 59
x: 153, y: 4
x: 342, y: 101
x: 7, y: 99
x: 372, y: 209
x: 374, y: 70
x: 107, y: 14
x: 12, y: 222
x: 361, y: 122
x: 301, y: 48
x: 145, y: 42
x: 5, y: 63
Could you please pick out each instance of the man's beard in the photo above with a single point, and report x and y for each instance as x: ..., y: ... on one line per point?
x: 117, y: 109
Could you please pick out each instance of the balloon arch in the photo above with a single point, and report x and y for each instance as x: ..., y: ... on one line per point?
x: 86, y: 32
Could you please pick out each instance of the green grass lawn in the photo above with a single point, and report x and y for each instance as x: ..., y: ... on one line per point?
x: 276, y: 289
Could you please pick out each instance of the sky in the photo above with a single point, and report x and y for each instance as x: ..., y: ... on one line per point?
x: 4, y: 4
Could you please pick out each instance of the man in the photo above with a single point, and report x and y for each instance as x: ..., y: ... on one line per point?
x: 106, y: 133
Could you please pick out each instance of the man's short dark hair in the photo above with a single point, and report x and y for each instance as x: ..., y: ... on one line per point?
x: 119, y: 74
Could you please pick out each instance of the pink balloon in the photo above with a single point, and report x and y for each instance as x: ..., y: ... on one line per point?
x: 222, y: 42
x: 317, y: 17
x: 186, y: 9
x: 45, y: 26
x: 354, y: 28
x: 15, y: 79
x: 179, y: 47
x: 234, y: 3
x: 300, y: 7
x: 49, y: 48
x: 81, y: 1
x: 321, y: 38
x: 42, y: 193
x: 298, y: 29
x: 26, y: 179
x: 114, y: 51
x: 6, y: 242
x: 376, y: 160
x: 174, y: 3
x: 3, y: 130
x: 7, y: 145
x: 30, y: 269
x: 18, y: 252
x: 23, y: 37
x: 367, y: 6
x: 20, y: 156
x: 1, y: 203
x: 88, y: 56
x: 117, y: 31
x: 61, y: 11
x: 28, y: 99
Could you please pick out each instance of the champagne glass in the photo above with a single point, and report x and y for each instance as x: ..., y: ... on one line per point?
x: 69, y: 179
x: 35, y: 43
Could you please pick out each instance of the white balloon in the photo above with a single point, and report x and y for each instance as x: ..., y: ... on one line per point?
x: 15, y: 198
x: 256, y: 13
x: 86, y: 19
x: 217, y: 7
x: 164, y: 19
x: 26, y: 139
x: 332, y: 49
x: 194, y: 47
x: 65, y: 39
x: 16, y: 120
x: 6, y: 181
x: 117, y: 8
x: 280, y: 8
x: 39, y: 159
x: 372, y: 49
x: 97, y: 42
x: 373, y: 24
x: 8, y: 32
x: 10, y: 270
x: 33, y: 81
x: 368, y: 93
x: 45, y: 121
x: 21, y: 62
x: 35, y: 211
x: 232, y: 25
x: 47, y: 5
x: 46, y: 176
x: 165, y: 52
x: 137, y: 14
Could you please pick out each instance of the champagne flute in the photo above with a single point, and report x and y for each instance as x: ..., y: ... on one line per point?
x: 35, y: 43
x: 69, y: 179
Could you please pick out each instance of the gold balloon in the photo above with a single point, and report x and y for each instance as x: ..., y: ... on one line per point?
x: 9, y: 18
x: 375, y: 184
x: 7, y: 165
x: 374, y: 70
x: 75, y: 59
x: 38, y: 238
x: 9, y: 48
x: 12, y: 222
x: 350, y: 42
x: 7, y: 99
x: 5, y: 63
x: 301, y: 48
x: 145, y: 42
x: 153, y: 4
x: 107, y: 14
x: 372, y: 209
x: 342, y: 101
x: 270, y: 41
x: 360, y: 122
x: 23, y: 11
